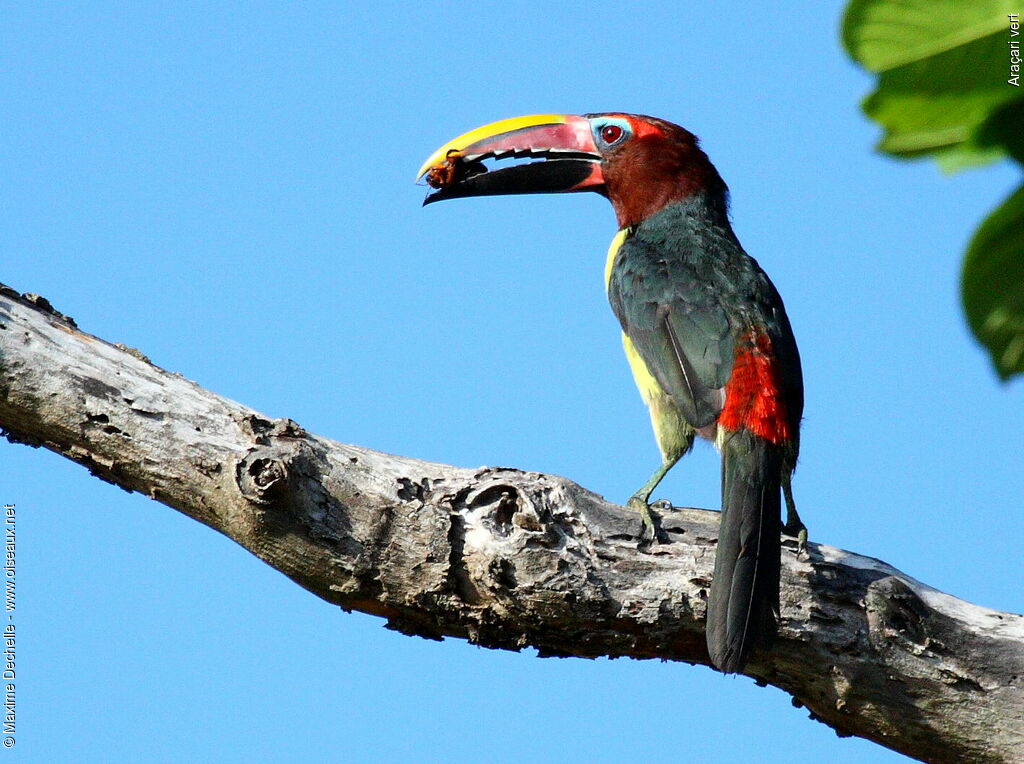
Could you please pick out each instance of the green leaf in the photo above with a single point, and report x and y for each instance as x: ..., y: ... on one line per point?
x: 885, y: 34
x: 992, y: 285
x: 943, y: 67
x: 968, y: 156
x: 1004, y: 129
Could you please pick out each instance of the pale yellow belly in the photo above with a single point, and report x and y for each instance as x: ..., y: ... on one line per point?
x: 672, y: 433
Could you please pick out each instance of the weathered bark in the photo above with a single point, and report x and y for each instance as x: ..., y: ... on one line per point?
x: 509, y: 559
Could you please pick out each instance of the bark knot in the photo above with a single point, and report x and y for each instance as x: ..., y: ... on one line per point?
x: 896, y: 616
x: 264, y: 475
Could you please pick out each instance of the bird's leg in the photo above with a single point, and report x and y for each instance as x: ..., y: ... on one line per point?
x: 638, y: 500
x: 794, y: 525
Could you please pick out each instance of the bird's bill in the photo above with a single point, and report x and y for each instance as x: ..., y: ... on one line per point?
x: 561, y: 148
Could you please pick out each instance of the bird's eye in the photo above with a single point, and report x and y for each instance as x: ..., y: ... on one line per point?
x: 611, y: 133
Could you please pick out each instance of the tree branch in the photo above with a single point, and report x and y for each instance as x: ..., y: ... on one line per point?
x: 508, y: 559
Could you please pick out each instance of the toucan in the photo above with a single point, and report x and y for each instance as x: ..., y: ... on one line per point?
x: 704, y: 329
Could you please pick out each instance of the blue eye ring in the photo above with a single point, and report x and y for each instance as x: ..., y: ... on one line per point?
x: 610, y: 132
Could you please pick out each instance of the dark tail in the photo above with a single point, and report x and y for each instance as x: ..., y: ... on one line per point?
x: 744, y: 598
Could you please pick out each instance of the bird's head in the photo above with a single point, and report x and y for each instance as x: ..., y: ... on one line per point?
x: 640, y: 163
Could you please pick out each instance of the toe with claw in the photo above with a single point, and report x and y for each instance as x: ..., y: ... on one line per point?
x: 649, y: 534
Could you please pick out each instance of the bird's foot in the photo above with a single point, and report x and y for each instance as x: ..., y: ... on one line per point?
x: 649, y: 534
x: 799, y: 531
x: 794, y: 525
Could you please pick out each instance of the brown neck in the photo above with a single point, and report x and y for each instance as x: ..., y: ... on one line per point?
x: 655, y: 173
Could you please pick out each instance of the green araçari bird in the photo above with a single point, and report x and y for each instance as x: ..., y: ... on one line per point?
x: 704, y: 329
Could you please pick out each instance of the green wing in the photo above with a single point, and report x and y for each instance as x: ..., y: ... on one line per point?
x: 677, y: 324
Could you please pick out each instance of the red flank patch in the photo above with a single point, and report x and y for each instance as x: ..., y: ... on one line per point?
x: 753, y: 394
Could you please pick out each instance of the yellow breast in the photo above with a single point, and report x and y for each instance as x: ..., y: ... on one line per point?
x: 613, y: 250
x: 649, y: 387
x: 673, y: 434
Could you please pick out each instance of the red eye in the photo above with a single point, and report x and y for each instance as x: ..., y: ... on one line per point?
x: 611, y: 133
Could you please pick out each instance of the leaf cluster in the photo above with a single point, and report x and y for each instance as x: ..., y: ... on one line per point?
x: 946, y: 90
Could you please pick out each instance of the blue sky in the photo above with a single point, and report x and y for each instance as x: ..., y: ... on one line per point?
x: 228, y: 187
